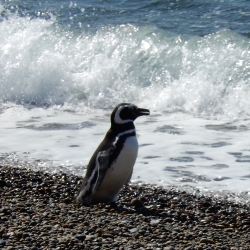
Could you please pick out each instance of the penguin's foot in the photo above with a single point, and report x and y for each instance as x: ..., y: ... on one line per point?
x: 118, y: 208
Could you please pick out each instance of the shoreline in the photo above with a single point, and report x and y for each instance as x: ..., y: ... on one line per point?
x: 37, y: 212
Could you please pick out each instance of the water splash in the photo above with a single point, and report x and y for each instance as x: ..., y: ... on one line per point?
x: 43, y: 64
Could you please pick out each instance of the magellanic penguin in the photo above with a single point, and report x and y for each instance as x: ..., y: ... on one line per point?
x: 111, y: 165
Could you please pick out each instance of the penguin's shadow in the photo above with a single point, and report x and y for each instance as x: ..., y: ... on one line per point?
x: 132, y: 201
x: 126, y: 208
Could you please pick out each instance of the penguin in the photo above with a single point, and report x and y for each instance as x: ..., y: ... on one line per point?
x: 111, y: 166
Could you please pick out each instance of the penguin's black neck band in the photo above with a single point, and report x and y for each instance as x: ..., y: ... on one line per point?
x: 119, y: 128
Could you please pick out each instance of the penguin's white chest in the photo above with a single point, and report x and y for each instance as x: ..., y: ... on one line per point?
x: 123, y: 166
x: 120, y: 172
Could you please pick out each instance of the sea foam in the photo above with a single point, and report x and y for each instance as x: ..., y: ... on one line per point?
x: 46, y: 65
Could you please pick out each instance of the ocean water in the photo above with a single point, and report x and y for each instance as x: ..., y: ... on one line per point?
x: 64, y: 65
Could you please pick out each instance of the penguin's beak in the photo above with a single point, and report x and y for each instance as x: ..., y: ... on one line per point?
x: 143, y: 112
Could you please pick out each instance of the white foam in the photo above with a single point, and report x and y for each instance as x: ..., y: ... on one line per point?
x: 46, y: 65
x: 175, y: 149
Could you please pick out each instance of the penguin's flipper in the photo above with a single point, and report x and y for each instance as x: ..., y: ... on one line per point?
x: 90, y: 185
x: 103, y: 159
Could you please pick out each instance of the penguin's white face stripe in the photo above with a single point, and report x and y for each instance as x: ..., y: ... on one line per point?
x: 121, y: 134
x: 117, y: 117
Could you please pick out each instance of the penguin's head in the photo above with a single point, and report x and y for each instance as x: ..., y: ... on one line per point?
x: 127, y: 112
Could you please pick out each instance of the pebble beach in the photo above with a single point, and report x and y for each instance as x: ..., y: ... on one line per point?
x: 38, y: 211
x: 64, y: 66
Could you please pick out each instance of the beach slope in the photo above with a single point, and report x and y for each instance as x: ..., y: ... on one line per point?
x: 37, y: 211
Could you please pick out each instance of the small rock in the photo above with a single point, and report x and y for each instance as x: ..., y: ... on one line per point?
x: 136, y: 203
x: 3, y: 183
x: 90, y: 237
x: 2, y: 242
x: 18, y: 234
x: 154, y: 222
x: 133, y: 230
x: 246, y: 222
x: 107, y: 235
x: 47, y: 227
x: 63, y: 240
x: 80, y: 237
x: 206, y: 241
x: 189, y: 248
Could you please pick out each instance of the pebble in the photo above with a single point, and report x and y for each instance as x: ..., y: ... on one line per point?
x: 37, y: 211
x: 137, y: 203
x: 2, y: 243
x: 206, y: 241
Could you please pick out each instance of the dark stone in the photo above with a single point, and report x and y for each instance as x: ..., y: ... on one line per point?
x: 81, y: 237
x: 2, y: 242
x: 136, y: 203
x: 3, y: 183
